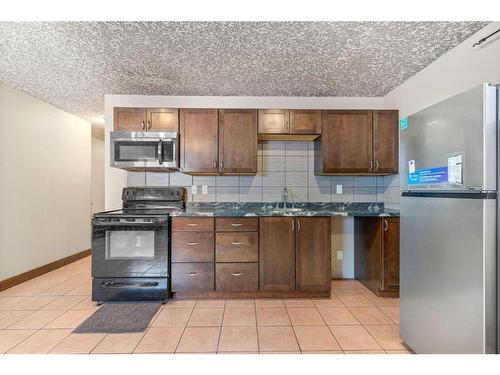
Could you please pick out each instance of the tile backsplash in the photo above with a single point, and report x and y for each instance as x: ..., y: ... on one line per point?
x: 280, y: 164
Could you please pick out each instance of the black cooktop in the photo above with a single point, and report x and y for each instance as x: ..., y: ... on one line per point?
x: 137, y: 212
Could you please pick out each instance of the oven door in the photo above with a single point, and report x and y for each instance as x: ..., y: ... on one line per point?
x: 128, y: 247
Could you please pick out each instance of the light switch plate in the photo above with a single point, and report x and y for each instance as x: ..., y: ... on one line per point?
x: 339, y: 189
x: 340, y: 255
x: 204, y: 189
x: 194, y: 189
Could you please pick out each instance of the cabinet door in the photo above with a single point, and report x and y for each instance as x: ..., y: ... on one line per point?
x: 390, y: 280
x: 277, y: 253
x: 163, y: 119
x: 303, y: 121
x: 313, y: 249
x: 347, y: 141
x: 274, y: 121
x: 385, y: 141
x: 199, y: 141
x: 368, y: 252
x: 129, y: 119
x: 237, y: 141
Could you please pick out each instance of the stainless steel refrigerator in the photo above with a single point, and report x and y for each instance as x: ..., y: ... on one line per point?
x: 449, y: 225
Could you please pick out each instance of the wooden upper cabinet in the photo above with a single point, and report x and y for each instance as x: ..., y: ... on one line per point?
x: 385, y: 141
x: 199, y: 141
x: 346, y: 142
x: 313, y: 254
x: 129, y: 119
x: 276, y: 254
x: 163, y: 119
x: 304, y: 121
x: 238, y: 141
x: 274, y: 121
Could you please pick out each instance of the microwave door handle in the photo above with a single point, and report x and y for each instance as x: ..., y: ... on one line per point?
x: 160, y: 152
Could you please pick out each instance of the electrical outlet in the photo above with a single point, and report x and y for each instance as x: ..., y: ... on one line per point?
x: 340, y: 255
x: 194, y: 189
x: 204, y: 189
x: 339, y: 189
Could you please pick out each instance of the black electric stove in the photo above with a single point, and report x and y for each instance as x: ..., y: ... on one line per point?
x: 131, y: 246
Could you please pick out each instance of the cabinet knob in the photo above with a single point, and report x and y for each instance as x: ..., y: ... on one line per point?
x: 148, y: 125
x: 193, y: 274
x: 371, y: 166
x: 376, y: 165
x: 236, y: 273
x: 236, y: 243
x: 293, y: 226
x: 386, y: 225
x: 143, y: 125
x: 298, y: 225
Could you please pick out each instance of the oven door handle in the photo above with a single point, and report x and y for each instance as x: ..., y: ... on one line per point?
x: 112, y: 284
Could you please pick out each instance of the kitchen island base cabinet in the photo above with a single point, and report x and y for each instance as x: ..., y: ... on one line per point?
x: 376, y: 254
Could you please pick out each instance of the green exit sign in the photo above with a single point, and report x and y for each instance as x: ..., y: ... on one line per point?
x: 403, y: 123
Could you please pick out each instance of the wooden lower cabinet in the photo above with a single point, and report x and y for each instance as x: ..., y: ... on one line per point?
x: 236, y: 277
x: 376, y: 254
x: 237, y: 247
x: 313, y: 253
x: 277, y: 253
x: 192, y: 277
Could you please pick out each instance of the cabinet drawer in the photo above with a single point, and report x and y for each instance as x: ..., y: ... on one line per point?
x: 237, y: 247
x: 192, y: 247
x: 192, y: 224
x: 237, y: 224
x: 192, y: 276
x: 236, y: 277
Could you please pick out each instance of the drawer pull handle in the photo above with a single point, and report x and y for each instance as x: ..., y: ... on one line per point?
x: 236, y: 273
x: 192, y: 243
x: 193, y: 274
x: 236, y: 243
x: 192, y: 224
x: 236, y: 225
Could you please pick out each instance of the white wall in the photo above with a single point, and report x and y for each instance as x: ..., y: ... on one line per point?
x: 45, y: 183
x: 97, y: 175
x: 458, y: 70
x: 116, y: 180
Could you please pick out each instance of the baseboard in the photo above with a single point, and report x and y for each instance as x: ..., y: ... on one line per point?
x: 28, y: 275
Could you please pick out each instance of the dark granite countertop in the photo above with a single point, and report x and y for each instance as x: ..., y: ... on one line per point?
x: 251, y: 209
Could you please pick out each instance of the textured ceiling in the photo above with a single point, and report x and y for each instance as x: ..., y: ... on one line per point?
x: 72, y: 65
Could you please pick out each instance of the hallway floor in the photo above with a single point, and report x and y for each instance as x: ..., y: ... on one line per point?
x: 38, y: 317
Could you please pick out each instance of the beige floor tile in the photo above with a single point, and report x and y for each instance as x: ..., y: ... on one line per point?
x: 10, y: 338
x: 272, y: 316
x: 210, y: 303
x: 239, y: 317
x: 238, y: 339
x: 199, y: 340
x: 391, y: 312
x: 64, y: 303
x: 8, y: 302
x: 86, y: 304
x: 82, y: 290
x: 180, y: 304
x: 315, y: 338
x: 305, y: 316
x: 59, y: 290
x: 354, y: 338
x: 10, y: 317
x: 298, y: 302
x: 34, y: 303
x: 159, y: 340
x: 269, y: 302
x: 337, y: 315
x: 36, y: 320
x: 398, y: 352
x: 332, y: 301
x: 118, y: 343
x: 41, y: 342
x: 277, y: 339
x: 283, y: 352
x: 206, y: 317
x: 78, y: 343
x: 322, y: 352
x: 381, y: 301
x: 387, y: 336
x: 354, y: 299
x: 364, y: 352
x: 240, y: 303
x: 172, y: 318
x: 70, y: 319
x: 237, y: 353
x: 370, y: 315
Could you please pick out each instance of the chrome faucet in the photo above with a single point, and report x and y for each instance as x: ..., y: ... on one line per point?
x: 285, y: 197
